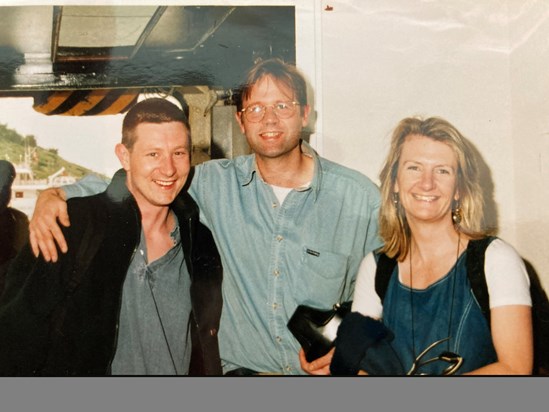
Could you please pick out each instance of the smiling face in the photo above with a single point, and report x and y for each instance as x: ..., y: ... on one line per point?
x: 272, y: 137
x: 158, y: 164
x: 426, y: 180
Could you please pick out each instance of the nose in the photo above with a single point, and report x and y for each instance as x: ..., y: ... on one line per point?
x: 270, y: 115
x: 167, y: 167
x: 427, y: 180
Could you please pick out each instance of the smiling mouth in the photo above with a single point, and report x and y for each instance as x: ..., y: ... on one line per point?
x: 165, y: 184
x: 424, y: 198
x: 270, y: 135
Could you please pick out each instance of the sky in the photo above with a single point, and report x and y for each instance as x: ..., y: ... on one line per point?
x: 87, y: 141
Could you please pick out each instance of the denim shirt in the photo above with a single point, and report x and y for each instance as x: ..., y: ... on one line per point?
x: 276, y: 257
x: 445, y: 308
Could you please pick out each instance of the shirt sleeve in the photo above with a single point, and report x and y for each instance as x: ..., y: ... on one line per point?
x: 506, y: 276
x: 87, y: 186
x: 365, y: 300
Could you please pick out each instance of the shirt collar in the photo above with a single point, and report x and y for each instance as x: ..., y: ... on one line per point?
x: 247, y: 169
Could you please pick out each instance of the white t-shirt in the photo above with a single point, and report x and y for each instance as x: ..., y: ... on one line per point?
x: 506, y: 277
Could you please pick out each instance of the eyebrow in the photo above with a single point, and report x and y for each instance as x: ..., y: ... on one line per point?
x: 436, y: 165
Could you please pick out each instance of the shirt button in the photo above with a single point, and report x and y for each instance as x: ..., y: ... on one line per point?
x: 274, y: 205
x: 279, y: 238
x: 278, y: 339
x: 276, y: 272
x: 275, y: 305
x: 288, y: 368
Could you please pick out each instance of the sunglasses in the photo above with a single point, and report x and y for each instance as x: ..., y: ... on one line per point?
x: 454, y: 360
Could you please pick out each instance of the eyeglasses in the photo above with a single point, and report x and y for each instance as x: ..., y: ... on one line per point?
x: 283, y: 110
x: 455, y: 361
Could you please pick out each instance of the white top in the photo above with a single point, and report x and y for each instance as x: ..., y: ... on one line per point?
x: 506, y: 277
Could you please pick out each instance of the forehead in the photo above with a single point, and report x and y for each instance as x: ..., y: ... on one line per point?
x: 424, y: 149
x: 269, y: 89
x: 147, y: 134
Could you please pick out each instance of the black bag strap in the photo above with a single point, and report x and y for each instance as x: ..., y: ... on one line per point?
x: 384, y: 270
x: 476, y: 251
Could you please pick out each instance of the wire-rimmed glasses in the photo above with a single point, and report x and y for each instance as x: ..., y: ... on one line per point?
x: 453, y: 359
x: 282, y: 110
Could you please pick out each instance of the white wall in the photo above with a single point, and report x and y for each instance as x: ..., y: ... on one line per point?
x: 529, y: 38
x: 481, y: 65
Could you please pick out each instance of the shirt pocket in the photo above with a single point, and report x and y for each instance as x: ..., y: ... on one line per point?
x: 321, y: 277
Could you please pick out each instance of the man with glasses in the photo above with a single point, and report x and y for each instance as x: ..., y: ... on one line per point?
x: 291, y: 227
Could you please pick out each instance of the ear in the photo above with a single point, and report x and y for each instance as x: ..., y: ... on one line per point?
x: 238, y: 116
x: 456, y: 195
x: 123, y: 155
x: 396, y: 189
x: 305, y: 115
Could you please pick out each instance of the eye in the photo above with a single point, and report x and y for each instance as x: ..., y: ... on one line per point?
x: 412, y: 167
x: 444, y: 171
x: 256, y: 108
x: 180, y: 153
x: 282, y: 106
x: 152, y: 154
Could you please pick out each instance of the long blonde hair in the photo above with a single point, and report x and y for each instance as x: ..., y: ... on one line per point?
x: 393, y: 227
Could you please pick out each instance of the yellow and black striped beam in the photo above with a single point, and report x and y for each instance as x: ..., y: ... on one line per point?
x: 94, y: 102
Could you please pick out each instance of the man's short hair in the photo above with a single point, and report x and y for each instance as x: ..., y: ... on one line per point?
x: 153, y: 110
x: 286, y: 74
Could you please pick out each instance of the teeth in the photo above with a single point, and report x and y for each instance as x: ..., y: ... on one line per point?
x: 162, y: 183
x: 270, y: 134
x: 425, y: 198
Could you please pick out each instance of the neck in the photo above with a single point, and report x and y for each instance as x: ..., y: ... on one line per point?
x: 292, y: 170
x: 427, y: 239
x: 157, y: 219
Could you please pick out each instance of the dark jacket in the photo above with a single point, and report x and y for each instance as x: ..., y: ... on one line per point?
x: 14, y: 234
x: 60, y: 319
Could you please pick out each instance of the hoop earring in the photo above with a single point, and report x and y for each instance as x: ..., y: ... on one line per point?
x: 457, y: 213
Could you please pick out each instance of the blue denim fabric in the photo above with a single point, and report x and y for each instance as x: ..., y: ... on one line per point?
x: 275, y: 257
x: 470, y: 332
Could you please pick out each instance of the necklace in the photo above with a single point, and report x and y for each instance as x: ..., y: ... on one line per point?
x: 451, y: 302
x: 148, y: 276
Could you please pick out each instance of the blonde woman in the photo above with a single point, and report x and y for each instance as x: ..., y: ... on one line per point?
x: 429, y: 321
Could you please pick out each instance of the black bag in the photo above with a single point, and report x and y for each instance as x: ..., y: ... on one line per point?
x: 316, y: 329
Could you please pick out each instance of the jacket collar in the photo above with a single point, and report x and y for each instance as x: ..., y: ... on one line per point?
x: 183, y: 206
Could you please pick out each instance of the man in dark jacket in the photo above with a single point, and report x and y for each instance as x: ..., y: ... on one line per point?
x: 14, y: 224
x: 142, y: 277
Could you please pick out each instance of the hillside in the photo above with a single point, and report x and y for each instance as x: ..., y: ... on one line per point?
x: 44, y: 162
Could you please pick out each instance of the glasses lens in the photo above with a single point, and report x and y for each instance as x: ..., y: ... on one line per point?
x: 283, y: 110
x: 254, y: 113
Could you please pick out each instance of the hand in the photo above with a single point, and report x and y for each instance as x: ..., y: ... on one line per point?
x: 320, y: 366
x: 43, y: 227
